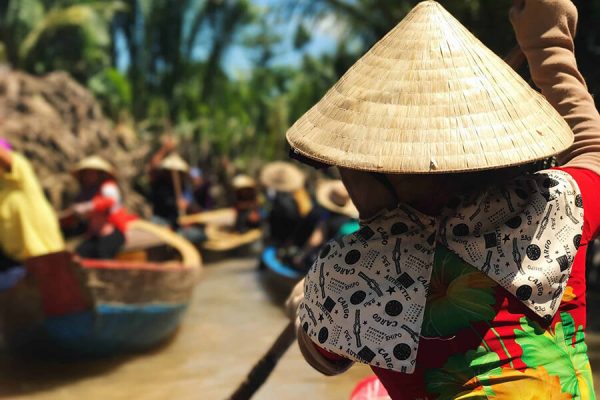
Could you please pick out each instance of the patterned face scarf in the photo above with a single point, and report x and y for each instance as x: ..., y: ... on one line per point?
x: 366, y: 293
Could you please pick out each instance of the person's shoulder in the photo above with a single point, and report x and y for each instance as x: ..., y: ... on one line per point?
x: 581, y: 175
x: 21, y: 167
x: 19, y: 159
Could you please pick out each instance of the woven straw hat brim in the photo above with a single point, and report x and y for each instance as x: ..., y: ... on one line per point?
x: 94, y: 163
x: 174, y: 162
x: 323, y: 193
x: 243, y: 182
x: 430, y: 98
x: 282, y: 176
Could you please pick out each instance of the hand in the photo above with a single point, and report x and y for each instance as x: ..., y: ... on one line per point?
x: 293, y: 301
x: 317, y: 360
x: 82, y: 209
x: 182, y: 204
x: 169, y: 143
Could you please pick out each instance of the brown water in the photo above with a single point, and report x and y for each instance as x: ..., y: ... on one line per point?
x: 229, y: 326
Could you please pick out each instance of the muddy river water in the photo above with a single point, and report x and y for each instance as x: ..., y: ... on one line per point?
x: 230, y: 324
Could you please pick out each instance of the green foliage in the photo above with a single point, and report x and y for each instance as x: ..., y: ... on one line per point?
x: 113, y: 90
x: 163, y: 61
x: 70, y: 36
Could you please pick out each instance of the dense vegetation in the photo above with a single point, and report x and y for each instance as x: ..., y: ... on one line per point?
x: 165, y: 65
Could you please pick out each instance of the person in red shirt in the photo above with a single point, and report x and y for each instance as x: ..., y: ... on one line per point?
x: 100, y: 204
x: 473, y: 285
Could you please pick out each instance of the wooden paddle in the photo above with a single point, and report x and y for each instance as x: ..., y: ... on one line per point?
x: 263, y: 368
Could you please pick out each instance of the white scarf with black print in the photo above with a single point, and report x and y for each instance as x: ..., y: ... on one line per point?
x: 365, y: 295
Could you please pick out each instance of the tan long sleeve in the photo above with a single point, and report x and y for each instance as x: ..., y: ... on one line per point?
x: 545, y: 30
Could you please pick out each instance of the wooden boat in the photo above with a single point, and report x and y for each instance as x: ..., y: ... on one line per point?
x: 273, y: 264
x: 99, y: 307
x: 221, y: 237
x: 220, y: 217
x: 278, y: 277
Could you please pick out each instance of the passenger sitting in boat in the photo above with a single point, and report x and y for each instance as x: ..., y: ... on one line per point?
x: 28, y: 224
x: 170, y: 194
x: 289, y: 216
x: 337, y: 217
x: 99, y: 203
x: 246, y: 203
x: 167, y: 194
x: 201, y: 190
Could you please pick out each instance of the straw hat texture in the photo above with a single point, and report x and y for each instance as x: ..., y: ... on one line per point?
x: 430, y: 98
x: 174, y: 162
x: 243, y: 182
x: 282, y: 176
x: 95, y: 163
x: 333, y: 196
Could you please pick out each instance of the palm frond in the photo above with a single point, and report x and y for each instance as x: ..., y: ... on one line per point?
x: 92, y: 19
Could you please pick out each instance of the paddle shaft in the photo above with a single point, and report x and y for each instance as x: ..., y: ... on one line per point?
x: 263, y: 368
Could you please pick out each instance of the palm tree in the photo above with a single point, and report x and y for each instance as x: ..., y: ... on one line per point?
x: 61, y: 35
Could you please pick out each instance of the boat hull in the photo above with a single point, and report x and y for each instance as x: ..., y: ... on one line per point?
x: 109, y: 329
x: 278, y: 278
x: 85, y: 307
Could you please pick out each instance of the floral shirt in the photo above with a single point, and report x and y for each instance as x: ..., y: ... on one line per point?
x: 480, y: 342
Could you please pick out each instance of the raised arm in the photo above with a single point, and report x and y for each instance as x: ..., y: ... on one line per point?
x: 168, y: 145
x: 545, y: 30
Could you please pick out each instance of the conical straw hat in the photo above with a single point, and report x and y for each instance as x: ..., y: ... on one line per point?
x: 430, y: 98
x: 174, y: 162
x: 333, y: 196
x: 282, y: 176
x: 95, y: 163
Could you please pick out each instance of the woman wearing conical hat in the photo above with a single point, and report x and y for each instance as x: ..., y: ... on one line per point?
x: 169, y: 175
x: 467, y: 277
x: 290, y: 204
x: 100, y: 204
x: 336, y: 217
x: 171, y: 193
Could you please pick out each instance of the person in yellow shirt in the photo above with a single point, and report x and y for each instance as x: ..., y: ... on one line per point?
x: 28, y: 224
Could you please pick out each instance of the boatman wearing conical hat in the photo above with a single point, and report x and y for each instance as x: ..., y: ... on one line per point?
x: 467, y: 277
x: 290, y: 204
x: 169, y: 175
x: 100, y: 204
